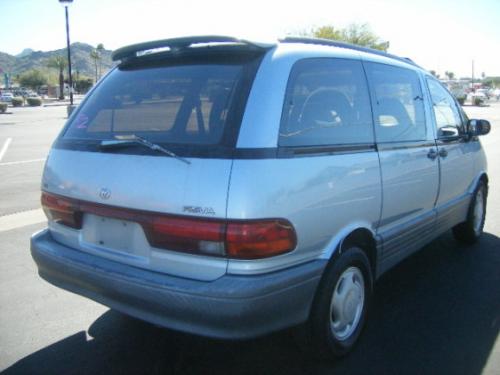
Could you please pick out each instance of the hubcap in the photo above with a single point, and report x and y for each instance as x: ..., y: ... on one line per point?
x: 347, y: 303
x: 478, y: 211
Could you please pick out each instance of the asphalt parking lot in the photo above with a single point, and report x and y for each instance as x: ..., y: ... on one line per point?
x: 436, y: 313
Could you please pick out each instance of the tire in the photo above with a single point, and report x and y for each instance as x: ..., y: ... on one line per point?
x: 340, y: 306
x: 471, y: 229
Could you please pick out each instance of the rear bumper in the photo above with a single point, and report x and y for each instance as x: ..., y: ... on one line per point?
x: 230, y: 307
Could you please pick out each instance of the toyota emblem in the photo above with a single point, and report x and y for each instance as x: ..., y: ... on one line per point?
x: 105, y: 193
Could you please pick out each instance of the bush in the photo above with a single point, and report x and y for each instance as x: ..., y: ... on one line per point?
x: 461, y: 100
x: 17, y: 101
x: 83, y: 85
x: 478, y: 101
x: 34, y: 102
x: 3, y: 107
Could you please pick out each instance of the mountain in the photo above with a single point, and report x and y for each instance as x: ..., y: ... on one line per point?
x: 25, y: 52
x: 80, y: 60
x: 7, y: 62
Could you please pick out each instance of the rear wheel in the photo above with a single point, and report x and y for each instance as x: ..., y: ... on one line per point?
x: 340, y: 307
x: 471, y: 229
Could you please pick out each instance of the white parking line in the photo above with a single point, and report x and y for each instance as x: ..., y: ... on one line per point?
x: 5, y: 147
x: 22, y: 162
x: 21, y: 219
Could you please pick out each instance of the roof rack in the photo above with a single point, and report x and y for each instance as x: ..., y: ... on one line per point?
x: 335, y: 43
x: 176, y: 44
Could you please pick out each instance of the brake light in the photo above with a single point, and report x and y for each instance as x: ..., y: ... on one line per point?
x: 239, y: 239
x: 259, y: 239
x: 62, y: 210
x: 188, y: 235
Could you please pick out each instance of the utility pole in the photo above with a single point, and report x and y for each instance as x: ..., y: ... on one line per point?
x: 69, y: 58
x: 65, y: 4
x: 472, y: 84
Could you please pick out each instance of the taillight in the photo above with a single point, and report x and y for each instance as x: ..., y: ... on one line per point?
x: 259, y: 239
x: 188, y: 235
x: 62, y: 210
x: 239, y: 239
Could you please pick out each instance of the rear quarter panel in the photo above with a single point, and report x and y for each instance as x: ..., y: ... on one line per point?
x: 324, y: 197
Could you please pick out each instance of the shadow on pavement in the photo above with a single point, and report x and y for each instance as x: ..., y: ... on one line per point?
x: 438, y: 312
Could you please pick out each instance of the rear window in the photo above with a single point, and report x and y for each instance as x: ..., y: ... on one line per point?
x: 176, y: 104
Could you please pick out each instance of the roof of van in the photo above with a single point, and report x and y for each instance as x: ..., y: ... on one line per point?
x: 339, y: 44
x: 186, y: 43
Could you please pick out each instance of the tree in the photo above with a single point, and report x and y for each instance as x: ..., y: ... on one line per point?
x: 100, y: 50
x: 33, y: 79
x: 82, y: 85
x: 94, y: 55
x: 492, y: 81
x: 360, y: 34
x: 433, y: 72
x: 327, y: 32
x: 449, y: 75
x: 59, y: 62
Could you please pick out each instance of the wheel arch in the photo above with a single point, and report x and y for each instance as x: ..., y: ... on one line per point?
x: 356, y: 235
x: 365, y: 240
x: 484, y: 177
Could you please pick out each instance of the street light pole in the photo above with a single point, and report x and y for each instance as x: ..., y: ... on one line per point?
x: 66, y: 3
x: 473, y: 77
x: 69, y: 58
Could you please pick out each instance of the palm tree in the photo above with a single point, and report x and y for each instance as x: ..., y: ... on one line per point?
x: 100, y: 50
x: 58, y: 62
x: 94, y: 55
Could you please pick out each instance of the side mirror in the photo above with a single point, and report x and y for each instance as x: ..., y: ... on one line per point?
x: 478, y: 127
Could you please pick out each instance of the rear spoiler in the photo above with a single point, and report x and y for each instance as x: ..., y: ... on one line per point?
x: 179, y: 44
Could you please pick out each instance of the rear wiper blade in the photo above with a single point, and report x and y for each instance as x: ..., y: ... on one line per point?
x: 125, y: 140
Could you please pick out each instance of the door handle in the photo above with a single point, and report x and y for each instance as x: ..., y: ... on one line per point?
x: 443, y: 153
x: 432, y: 154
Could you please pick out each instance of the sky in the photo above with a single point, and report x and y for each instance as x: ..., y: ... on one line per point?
x: 441, y: 35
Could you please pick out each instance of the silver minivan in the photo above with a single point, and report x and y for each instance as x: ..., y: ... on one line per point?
x: 228, y: 188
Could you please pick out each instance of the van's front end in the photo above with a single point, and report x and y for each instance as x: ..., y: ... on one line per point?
x: 136, y: 193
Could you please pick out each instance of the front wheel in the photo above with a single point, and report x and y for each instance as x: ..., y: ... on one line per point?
x: 471, y: 229
x: 341, y: 305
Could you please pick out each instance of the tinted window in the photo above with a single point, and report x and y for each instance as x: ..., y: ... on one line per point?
x: 448, y: 120
x: 397, y: 102
x: 185, y: 104
x: 326, y: 103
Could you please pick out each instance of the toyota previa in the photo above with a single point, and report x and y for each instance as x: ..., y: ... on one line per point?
x: 230, y: 188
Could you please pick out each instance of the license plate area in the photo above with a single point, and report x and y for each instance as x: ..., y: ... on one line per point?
x: 108, y: 234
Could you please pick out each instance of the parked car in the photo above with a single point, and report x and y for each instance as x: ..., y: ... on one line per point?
x: 477, y: 97
x: 230, y: 189
x: 483, y: 92
x: 6, y: 97
x: 29, y: 94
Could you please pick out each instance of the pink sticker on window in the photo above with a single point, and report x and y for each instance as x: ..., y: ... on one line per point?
x: 81, y: 121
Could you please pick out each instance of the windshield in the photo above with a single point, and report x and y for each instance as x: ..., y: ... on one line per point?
x: 179, y: 104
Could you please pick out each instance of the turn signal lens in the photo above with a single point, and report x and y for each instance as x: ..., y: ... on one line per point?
x: 61, y: 210
x: 190, y: 235
x: 259, y: 239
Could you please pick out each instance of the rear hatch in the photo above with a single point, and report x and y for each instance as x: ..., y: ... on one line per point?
x: 149, y: 147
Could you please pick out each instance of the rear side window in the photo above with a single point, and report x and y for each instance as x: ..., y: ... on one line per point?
x: 397, y: 101
x: 179, y: 104
x: 326, y: 103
